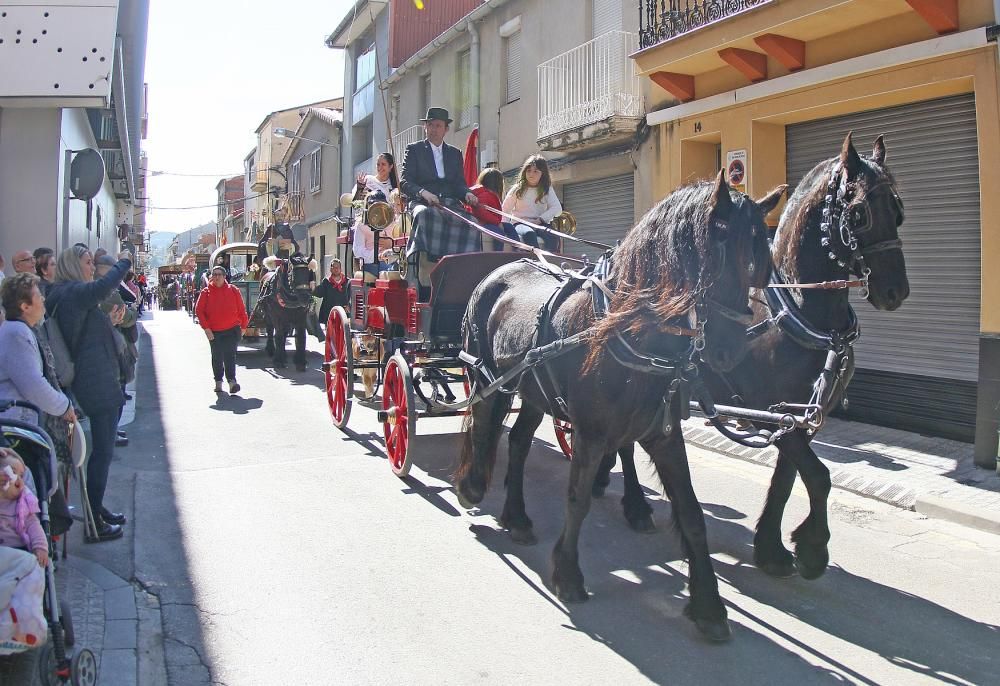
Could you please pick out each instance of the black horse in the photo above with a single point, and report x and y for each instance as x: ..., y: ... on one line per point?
x: 285, y: 299
x: 842, y: 219
x: 690, y: 262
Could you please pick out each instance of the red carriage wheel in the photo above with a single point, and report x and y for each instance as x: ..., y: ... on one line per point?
x: 339, y: 366
x: 400, y: 410
x: 564, y: 436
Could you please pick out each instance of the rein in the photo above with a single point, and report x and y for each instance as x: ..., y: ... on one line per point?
x: 548, y: 230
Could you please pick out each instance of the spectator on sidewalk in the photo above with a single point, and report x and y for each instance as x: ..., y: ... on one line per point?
x: 333, y: 290
x: 22, y: 368
x: 24, y: 262
x: 126, y: 334
x: 74, y: 301
x: 45, y: 268
x: 223, y: 315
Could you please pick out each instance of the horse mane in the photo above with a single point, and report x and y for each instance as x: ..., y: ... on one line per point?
x: 659, y: 266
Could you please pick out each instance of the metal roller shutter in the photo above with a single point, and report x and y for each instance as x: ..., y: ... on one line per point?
x: 918, y: 366
x: 604, y: 210
x: 607, y: 16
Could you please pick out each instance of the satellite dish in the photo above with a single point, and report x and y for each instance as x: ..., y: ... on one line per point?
x: 86, y: 174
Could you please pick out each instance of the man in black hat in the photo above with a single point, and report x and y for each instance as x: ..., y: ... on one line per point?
x: 433, y: 177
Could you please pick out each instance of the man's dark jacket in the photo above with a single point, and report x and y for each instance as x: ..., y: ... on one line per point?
x: 420, y: 173
x: 90, y: 338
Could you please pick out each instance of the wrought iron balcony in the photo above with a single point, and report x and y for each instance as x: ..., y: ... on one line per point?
x: 591, y: 83
x: 661, y: 20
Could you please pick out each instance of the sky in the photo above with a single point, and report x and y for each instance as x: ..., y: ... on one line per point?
x: 215, y: 69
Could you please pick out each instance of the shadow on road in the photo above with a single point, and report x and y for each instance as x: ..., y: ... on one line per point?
x: 236, y: 404
x: 638, y: 594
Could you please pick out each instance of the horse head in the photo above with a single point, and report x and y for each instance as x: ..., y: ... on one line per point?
x: 739, y: 259
x: 691, y: 262
x: 298, y: 272
x: 868, y: 231
x: 844, y: 219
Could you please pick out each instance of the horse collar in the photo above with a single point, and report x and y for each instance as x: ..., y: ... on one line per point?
x: 787, y: 315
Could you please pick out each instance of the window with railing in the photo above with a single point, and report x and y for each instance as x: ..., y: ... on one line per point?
x: 661, y: 20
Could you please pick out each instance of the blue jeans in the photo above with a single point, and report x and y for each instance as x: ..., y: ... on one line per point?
x: 103, y: 432
x: 528, y: 235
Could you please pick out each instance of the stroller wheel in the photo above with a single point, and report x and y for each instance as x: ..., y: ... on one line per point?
x: 47, y: 666
x: 83, y: 669
x: 66, y: 619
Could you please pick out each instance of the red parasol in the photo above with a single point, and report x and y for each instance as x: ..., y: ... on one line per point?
x: 471, y: 166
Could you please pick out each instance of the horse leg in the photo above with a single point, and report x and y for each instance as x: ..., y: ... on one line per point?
x: 481, y: 434
x: 637, y: 511
x: 300, y: 346
x: 269, y: 326
x: 813, y: 534
x: 705, y: 608
x: 280, y: 331
x: 769, y: 553
x: 567, y: 579
x: 603, y: 478
x: 514, y: 518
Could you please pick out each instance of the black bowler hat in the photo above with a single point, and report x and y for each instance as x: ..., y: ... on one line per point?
x: 437, y: 113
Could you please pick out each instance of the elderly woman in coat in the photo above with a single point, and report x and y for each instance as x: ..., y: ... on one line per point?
x: 21, y: 363
x: 74, y: 301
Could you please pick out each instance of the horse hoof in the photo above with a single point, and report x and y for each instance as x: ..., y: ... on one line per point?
x: 810, y: 570
x: 642, y: 525
x: 779, y: 570
x: 466, y: 498
x: 572, y: 593
x: 714, y: 630
x: 300, y: 367
x: 523, y: 536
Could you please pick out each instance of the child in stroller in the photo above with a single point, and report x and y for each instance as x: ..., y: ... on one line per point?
x: 28, y: 461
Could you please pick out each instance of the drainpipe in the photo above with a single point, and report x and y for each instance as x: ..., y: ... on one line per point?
x: 474, y: 70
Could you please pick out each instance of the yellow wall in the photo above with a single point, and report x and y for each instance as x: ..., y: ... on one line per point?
x: 759, y: 128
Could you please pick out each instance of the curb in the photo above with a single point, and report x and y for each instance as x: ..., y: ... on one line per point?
x: 131, y: 652
x: 892, y: 493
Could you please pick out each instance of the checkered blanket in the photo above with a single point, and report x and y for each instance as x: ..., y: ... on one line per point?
x: 438, y: 233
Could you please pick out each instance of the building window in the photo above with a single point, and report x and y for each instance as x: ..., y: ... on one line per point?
x: 312, y: 247
x: 425, y: 93
x: 365, y: 68
x: 295, y: 177
x: 464, y: 101
x: 322, y: 256
x: 513, y: 67
x: 315, y: 170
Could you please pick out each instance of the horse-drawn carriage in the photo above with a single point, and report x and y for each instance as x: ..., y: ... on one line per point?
x: 170, y: 286
x: 620, y: 352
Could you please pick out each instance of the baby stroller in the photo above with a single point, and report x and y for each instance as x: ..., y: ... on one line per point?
x: 35, y: 448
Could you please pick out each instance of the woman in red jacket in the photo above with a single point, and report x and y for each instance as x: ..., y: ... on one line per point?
x: 223, y: 315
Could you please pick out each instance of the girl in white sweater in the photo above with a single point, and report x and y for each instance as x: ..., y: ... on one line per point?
x: 533, y: 199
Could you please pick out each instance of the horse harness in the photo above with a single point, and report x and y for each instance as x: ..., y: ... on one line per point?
x: 282, y: 288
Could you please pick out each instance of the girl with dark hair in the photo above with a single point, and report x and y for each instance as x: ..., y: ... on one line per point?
x: 385, y: 178
x: 533, y: 199
x: 489, y: 190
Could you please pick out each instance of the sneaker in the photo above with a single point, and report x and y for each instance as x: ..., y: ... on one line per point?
x: 122, y: 434
x: 218, y: 387
x: 121, y: 442
x: 234, y: 387
x: 105, y: 532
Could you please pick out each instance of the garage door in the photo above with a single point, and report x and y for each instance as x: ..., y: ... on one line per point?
x: 604, y: 210
x: 918, y: 366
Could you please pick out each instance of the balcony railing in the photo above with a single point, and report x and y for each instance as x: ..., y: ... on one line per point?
x: 661, y: 20
x: 588, y: 84
x: 295, y: 209
x: 404, y: 138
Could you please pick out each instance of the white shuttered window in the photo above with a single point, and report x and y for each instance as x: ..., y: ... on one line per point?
x: 607, y: 16
x: 513, y: 67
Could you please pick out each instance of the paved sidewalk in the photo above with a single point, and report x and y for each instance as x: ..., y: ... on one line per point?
x: 934, y: 476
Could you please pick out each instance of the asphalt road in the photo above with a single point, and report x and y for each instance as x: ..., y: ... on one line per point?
x: 286, y: 552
